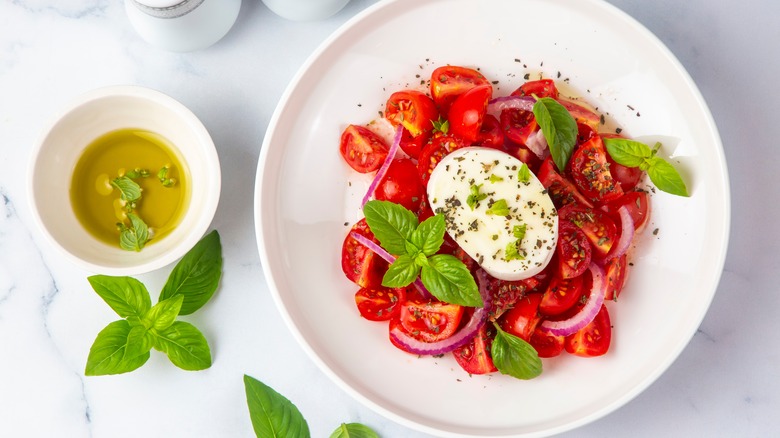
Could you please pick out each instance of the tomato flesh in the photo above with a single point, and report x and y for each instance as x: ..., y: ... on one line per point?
x: 413, y: 110
x: 362, y: 149
x: 490, y: 134
x: 573, y: 249
x: 433, y: 152
x: 539, y: 88
x: 593, y: 339
x: 360, y: 264
x: 474, y: 357
x: 598, y: 227
x: 561, y: 295
x: 615, y: 271
x: 518, y: 125
x: 449, y: 82
x: 589, y: 170
x: 546, y: 344
x: 429, y: 321
x: 468, y: 111
x: 561, y: 190
x: 401, y: 185
x: 522, y: 319
x: 637, y: 203
x: 379, y: 304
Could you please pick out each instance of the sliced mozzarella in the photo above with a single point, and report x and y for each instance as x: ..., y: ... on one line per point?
x: 508, y: 226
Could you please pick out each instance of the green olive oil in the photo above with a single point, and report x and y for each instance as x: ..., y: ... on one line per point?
x: 144, y: 157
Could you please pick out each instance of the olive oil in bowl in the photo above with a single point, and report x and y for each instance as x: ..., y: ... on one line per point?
x: 130, y: 188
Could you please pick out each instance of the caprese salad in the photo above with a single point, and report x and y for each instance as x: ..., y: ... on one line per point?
x: 496, y: 228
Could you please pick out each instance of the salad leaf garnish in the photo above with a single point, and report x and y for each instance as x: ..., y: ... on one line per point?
x: 197, y: 275
x: 632, y: 153
x: 353, y: 430
x: 499, y: 208
x: 475, y: 196
x: 514, y: 356
x: 558, y: 127
x: 415, y: 246
x: 524, y: 174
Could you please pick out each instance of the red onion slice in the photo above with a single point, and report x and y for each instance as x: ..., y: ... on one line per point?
x: 498, y: 104
x: 460, y: 338
x: 537, y: 144
x: 626, y: 234
x: 383, y: 169
x: 587, y: 313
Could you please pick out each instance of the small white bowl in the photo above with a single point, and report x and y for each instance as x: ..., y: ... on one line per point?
x: 87, y: 118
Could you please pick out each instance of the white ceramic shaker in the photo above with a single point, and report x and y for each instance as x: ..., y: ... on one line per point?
x: 305, y: 10
x: 182, y: 25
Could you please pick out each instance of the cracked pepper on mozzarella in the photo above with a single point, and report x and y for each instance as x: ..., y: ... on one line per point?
x: 504, y: 220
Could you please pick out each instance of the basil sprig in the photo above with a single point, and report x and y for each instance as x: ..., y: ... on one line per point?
x: 273, y: 415
x: 514, y: 356
x: 415, y: 245
x: 632, y: 153
x: 558, y: 127
x: 125, y: 345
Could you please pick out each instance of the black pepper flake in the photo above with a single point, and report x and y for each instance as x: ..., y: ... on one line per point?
x: 618, y: 130
x: 655, y: 232
x: 527, y: 76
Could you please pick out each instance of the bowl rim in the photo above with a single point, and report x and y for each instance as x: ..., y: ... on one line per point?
x: 208, y: 148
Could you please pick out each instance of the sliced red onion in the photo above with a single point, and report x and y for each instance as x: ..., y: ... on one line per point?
x: 498, y: 104
x: 587, y: 313
x: 383, y: 169
x: 389, y: 258
x: 537, y: 144
x: 460, y: 338
x: 626, y: 235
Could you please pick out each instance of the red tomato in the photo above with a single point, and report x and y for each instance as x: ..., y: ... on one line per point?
x: 582, y: 114
x: 637, y: 203
x: 590, y: 172
x: 626, y: 177
x: 401, y: 185
x: 362, y: 149
x: 518, y: 124
x: 474, y: 357
x: 561, y: 295
x: 360, y: 264
x: 522, y: 319
x: 505, y: 294
x: 561, y: 190
x: 449, y: 82
x: 429, y: 321
x: 593, y: 339
x: 490, y: 134
x: 412, y: 109
x: 412, y: 146
x: 468, y: 111
x: 539, y: 88
x: 379, y: 304
x: 615, y: 270
x: 598, y: 227
x: 545, y: 344
x: 574, y: 251
x: 433, y: 152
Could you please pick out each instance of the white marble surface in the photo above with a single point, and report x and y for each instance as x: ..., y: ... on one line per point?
x: 725, y: 383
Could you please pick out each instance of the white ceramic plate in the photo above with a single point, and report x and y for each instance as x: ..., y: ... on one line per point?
x: 303, y: 199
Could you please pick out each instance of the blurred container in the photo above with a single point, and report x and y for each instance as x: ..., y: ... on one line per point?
x: 182, y: 25
x: 305, y: 10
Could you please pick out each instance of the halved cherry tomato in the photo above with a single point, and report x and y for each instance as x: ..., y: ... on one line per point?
x: 637, y: 203
x: 599, y: 227
x: 561, y: 190
x: 518, y: 124
x: 449, y: 82
x: 362, y: 149
x: 379, y: 304
x: 539, y: 88
x: 412, y: 146
x: 474, y: 357
x: 522, y: 319
x: 574, y: 251
x: 360, y: 264
x: 615, y: 272
x: 467, y: 112
x: 490, y: 134
x: 429, y: 321
x: 433, y: 152
x: 401, y: 185
x: 582, y: 114
x: 412, y: 109
x: 545, y: 344
x: 593, y: 339
x: 589, y: 170
x: 561, y: 295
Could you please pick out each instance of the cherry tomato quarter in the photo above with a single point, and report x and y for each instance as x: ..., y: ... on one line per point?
x: 362, y: 149
x: 615, y: 274
x: 522, y: 319
x: 593, y: 339
x: 599, y: 227
x: 561, y: 295
x: 589, y: 170
x: 561, y: 190
x: 474, y: 357
x: 449, y: 82
x: 413, y: 110
x: 360, y: 264
x: 467, y: 112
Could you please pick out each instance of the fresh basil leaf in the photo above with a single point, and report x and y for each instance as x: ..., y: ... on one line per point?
x: 139, y: 342
x: 197, y: 274
x: 519, y: 231
x: 475, y: 196
x: 559, y: 129
x: 272, y: 414
x: 392, y: 224
x: 185, y: 346
x: 126, y: 295
x: 402, y: 272
x: 135, y: 237
x: 107, y: 354
x: 353, y: 430
x: 629, y: 153
x: 163, y: 314
x: 524, y: 174
x: 429, y: 235
x: 449, y: 280
x: 512, y: 251
x: 514, y: 356
x: 665, y: 177
x: 129, y: 190
x: 499, y: 208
